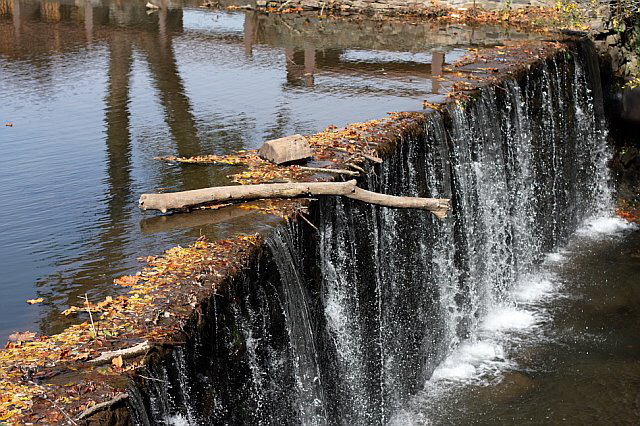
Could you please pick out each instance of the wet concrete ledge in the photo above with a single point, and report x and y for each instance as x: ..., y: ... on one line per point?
x: 54, y: 379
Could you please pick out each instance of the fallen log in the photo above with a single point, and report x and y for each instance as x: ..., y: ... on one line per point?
x: 185, y: 199
x: 137, y: 350
x: 437, y: 206
x: 102, y: 406
x: 358, y: 168
x: 286, y: 150
x: 330, y: 171
x: 372, y: 158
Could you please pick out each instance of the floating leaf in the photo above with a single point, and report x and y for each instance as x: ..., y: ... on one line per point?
x: 127, y: 280
x: 34, y: 301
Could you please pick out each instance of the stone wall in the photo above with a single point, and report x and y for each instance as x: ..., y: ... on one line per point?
x: 308, y: 30
x: 619, y: 42
x: 401, y: 6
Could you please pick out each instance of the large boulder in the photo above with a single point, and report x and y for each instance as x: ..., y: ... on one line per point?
x: 286, y: 150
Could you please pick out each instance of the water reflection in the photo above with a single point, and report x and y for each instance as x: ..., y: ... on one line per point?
x: 96, y: 89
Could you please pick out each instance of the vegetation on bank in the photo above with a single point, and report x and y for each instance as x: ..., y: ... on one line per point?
x: 564, y: 14
x: 629, y: 210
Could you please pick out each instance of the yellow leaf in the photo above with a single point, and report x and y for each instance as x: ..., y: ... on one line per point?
x: 117, y: 361
x: 71, y: 310
x: 34, y: 301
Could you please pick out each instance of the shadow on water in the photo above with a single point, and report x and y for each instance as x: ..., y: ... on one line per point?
x: 95, y: 90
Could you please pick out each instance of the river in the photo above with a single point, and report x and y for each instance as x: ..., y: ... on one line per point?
x: 94, y: 91
x: 91, y: 92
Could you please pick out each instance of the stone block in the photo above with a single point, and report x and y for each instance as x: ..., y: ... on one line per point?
x: 310, y: 4
x: 613, y: 39
x: 286, y: 150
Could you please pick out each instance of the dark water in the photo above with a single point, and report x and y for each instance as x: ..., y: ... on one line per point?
x: 576, y: 362
x: 95, y: 90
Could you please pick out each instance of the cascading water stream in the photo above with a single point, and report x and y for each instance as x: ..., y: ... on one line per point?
x: 345, y: 325
x: 309, y: 391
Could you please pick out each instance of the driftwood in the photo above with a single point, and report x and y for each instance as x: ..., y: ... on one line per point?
x: 286, y: 150
x: 330, y: 171
x: 358, y: 168
x: 106, y: 357
x: 185, y: 199
x: 372, y: 158
x: 437, y: 206
x: 102, y: 406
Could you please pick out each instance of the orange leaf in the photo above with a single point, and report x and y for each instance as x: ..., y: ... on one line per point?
x: 127, y: 280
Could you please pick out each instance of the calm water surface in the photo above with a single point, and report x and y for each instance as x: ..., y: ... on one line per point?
x: 94, y: 90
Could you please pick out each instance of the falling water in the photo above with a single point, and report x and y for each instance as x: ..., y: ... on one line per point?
x: 346, y: 324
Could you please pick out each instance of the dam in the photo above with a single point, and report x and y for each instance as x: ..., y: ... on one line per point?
x: 371, y: 315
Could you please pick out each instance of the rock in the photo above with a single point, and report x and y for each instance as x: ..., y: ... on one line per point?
x: 310, y: 4
x: 613, y: 39
x: 616, y: 59
x: 286, y: 150
x: 631, y: 105
x: 628, y: 156
x: 379, y: 6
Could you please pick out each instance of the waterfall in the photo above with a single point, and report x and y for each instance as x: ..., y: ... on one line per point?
x: 344, y: 325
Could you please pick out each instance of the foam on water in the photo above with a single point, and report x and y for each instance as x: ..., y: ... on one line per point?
x: 475, y: 357
x: 469, y: 360
x: 602, y: 226
x: 556, y: 257
x: 509, y: 318
x: 176, y: 420
x: 485, y: 352
x: 534, y: 287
